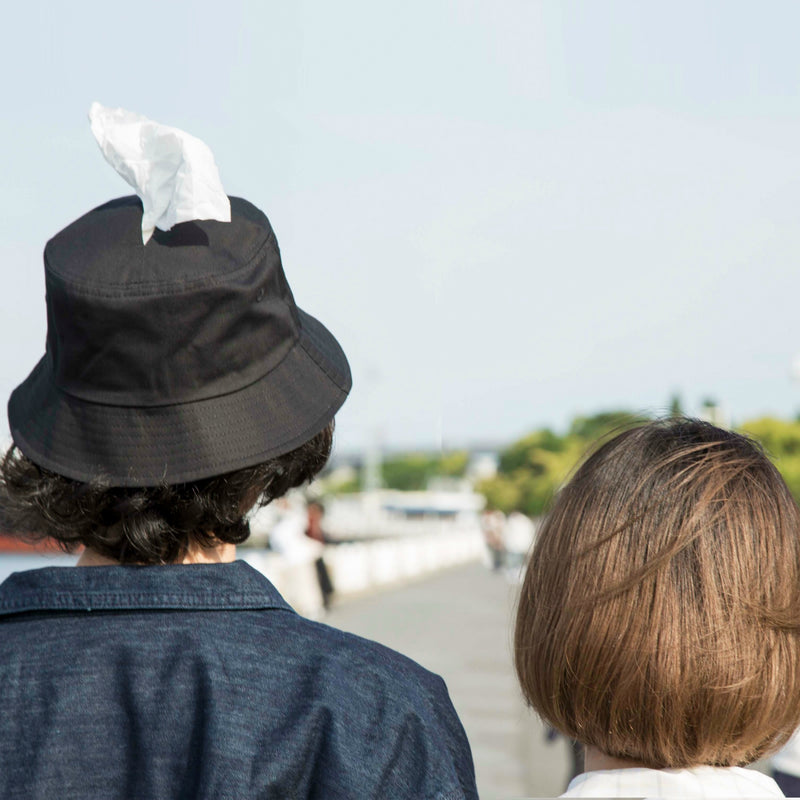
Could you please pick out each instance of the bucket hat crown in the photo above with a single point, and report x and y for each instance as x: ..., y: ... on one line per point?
x: 171, y: 361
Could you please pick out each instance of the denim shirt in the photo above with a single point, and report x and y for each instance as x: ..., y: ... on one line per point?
x: 199, y: 681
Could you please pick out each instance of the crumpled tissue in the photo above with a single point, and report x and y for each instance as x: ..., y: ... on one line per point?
x: 173, y: 173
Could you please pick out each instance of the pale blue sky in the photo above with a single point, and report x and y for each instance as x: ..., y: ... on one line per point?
x: 508, y: 212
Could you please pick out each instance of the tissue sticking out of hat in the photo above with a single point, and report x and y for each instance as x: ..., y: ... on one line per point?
x: 173, y: 173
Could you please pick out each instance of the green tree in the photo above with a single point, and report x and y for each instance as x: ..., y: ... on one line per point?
x: 453, y: 464
x: 781, y: 440
x: 598, y: 425
x: 532, y: 469
x: 412, y: 471
x: 521, y: 454
x: 408, y: 472
x: 676, y: 406
x: 501, y: 493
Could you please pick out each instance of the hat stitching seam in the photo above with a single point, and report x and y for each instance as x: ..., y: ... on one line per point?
x: 271, y: 237
x: 302, y: 435
x: 313, y: 353
x: 297, y: 341
x: 307, y: 346
x: 210, y: 424
x: 187, y: 448
x: 168, y: 287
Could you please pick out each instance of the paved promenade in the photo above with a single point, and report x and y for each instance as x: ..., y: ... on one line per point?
x: 458, y: 624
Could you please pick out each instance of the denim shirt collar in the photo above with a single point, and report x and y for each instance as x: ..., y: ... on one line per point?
x: 199, y: 587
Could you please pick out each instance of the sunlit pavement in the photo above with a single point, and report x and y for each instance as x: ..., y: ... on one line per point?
x: 459, y: 625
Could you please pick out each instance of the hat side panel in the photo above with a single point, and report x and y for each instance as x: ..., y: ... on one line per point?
x: 198, y: 341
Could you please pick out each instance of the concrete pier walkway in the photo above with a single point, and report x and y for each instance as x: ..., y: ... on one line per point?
x: 458, y: 624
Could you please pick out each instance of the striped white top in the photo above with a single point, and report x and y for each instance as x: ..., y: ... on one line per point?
x: 697, y: 782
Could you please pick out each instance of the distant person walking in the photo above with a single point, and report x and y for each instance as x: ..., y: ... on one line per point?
x: 518, y: 537
x: 493, y: 523
x: 316, y: 511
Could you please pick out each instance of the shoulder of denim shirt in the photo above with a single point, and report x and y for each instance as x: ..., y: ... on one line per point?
x: 402, y: 687
x: 382, y: 689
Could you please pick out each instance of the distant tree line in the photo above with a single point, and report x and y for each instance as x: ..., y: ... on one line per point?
x: 531, y: 469
x: 781, y: 440
x: 411, y: 472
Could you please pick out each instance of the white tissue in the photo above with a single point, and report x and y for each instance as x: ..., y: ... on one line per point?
x: 173, y: 172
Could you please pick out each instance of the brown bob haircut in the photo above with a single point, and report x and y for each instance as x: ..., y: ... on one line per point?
x: 659, y: 618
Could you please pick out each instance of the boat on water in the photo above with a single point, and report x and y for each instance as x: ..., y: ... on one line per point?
x: 14, y: 544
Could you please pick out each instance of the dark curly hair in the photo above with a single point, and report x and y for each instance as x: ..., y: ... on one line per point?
x: 147, y: 525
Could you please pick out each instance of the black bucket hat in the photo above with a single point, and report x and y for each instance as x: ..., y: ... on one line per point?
x: 176, y: 360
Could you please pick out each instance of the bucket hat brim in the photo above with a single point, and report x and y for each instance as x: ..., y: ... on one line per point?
x: 148, y: 446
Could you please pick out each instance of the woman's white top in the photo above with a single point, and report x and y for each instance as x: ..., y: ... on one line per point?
x: 697, y: 782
